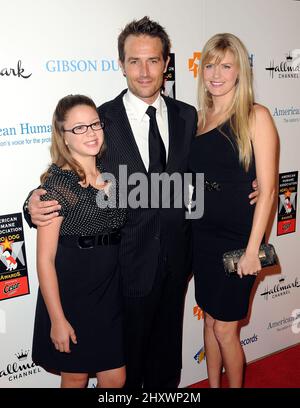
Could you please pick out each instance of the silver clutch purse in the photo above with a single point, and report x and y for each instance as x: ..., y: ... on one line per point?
x: 267, y: 257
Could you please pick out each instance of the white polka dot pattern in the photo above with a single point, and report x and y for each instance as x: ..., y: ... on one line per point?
x: 82, y: 216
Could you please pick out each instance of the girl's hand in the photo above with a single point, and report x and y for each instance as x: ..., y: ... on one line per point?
x: 61, y: 332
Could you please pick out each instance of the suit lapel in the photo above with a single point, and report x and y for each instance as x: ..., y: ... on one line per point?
x: 121, y: 137
x: 176, y: 135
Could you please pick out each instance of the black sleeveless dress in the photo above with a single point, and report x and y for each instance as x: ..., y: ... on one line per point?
x: 225, y: 225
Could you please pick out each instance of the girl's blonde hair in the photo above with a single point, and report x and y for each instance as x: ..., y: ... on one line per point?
x: 240, y: 112
x: 59, y: 151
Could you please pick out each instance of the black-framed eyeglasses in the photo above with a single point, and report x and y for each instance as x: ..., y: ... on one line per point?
x: 80, y: 129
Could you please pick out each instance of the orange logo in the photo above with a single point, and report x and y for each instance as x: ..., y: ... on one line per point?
x: 194, y: 63
x: 198, y: 312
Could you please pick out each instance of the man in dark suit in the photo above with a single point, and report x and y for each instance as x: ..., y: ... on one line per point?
x: 155, y: 248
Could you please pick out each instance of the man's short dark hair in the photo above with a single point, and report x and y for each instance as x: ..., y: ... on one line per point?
x: 144, y: 26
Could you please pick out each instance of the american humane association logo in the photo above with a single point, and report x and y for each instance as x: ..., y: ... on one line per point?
x: 25, y: 134
x: 288, y: 114
x: 25, y: 129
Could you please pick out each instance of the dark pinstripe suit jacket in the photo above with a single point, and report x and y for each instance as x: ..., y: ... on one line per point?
x: 148, y: 230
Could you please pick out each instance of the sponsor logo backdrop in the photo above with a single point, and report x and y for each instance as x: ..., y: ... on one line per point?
x: 50, y: 49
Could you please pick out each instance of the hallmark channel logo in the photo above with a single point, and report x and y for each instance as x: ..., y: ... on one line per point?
x: 289, y: 115
x: 281, y: 288
x: 20, y: 367
x: 82, y: 65
x: 16, y: 71
x: 288, y: 68
x: 22, y: 355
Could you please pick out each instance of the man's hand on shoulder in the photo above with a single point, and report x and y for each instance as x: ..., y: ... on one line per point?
x: 42, y: 212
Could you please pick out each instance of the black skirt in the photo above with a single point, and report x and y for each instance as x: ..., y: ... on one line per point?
x: 90, y: 293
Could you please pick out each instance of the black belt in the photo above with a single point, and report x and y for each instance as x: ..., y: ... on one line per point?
x: 226, y: 185
x: 91, y: 241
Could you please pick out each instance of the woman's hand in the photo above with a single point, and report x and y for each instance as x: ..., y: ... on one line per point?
x: 249, y: 264
x: 61, y: 332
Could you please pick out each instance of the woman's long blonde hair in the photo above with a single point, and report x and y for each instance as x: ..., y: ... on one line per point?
x: 60, y: 153
x: 240, y: 112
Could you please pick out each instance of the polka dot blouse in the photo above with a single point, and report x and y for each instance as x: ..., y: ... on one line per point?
x: 80, y: 205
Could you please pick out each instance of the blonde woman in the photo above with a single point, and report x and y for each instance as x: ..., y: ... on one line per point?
x: 78, y: 322
x: 236, y: 142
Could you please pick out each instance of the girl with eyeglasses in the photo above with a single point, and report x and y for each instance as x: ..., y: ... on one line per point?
x: 78, y: 321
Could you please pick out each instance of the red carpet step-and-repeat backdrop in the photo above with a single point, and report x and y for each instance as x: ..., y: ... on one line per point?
x: 50, y: 49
